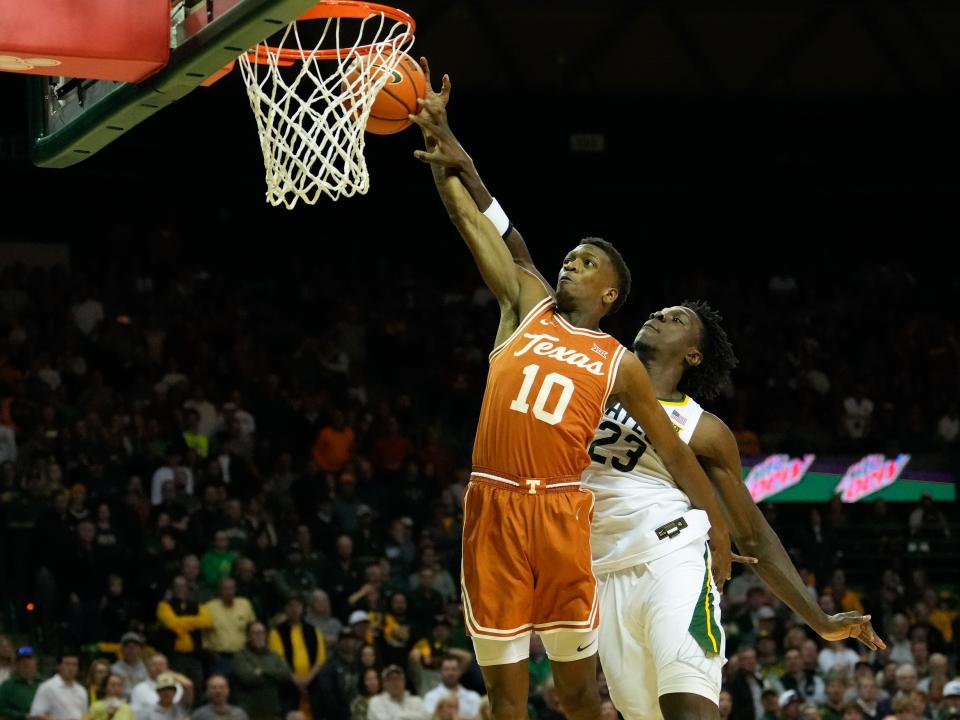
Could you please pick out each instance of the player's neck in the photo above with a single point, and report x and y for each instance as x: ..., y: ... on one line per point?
x: 664, y: 376
x: 582, y: 319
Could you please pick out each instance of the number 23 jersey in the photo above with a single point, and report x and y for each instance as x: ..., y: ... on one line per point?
x: 634, y: 493
x: 546, y: 389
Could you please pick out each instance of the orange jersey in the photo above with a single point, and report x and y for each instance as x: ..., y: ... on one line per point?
x: 546, y: 390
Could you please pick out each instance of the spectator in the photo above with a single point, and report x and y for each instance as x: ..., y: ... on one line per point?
x: 867, y: 697
x: 17, y: 691
x: 900, y: 650
x: 97, y: 675
x: 319, y: 614
x: 192, y: 437
x: 113, y: 706
x: 427, y: 603
x: 61, y: 697
x: 836, y: 687
x: 837, y: 656
x: 395, y: 703
x: 217, y: 562
x: 167, y: 708
x: 369, y: 687
x: 428, y: 653
x: 333, y: 447
x: 852, y: 711
x: 339, y: 679
x: 184, y: 620
x: 745, y: 687
x: 442, y: 580
x: 937, y: 671
x: 130, y: 667
x: 170, y: 472
x: 249, y: 584
x: 301, y: 645
x: 145, y: 696
x: 450, y: 674
x: 447, y: 709
x: 846, y: 599
x: 346, y: 504
x: 857, y: 414
x: 789, y: 703
x: 770, y: 702
x: 950, y: 706
x: 807, y: 684
x: 726, y: 704
x: 229, y: 616
x: 217, y: 707
x: 398, y: 631
x: 344, y: 577
x: 261, y: 676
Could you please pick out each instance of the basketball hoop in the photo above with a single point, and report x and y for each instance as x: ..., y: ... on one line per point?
x: 311, y: 103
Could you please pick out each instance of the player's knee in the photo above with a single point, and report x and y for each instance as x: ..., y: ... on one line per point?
x: 507, y: 708
x: 579, y: 701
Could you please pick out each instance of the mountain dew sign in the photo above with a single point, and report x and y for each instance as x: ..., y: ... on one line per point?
x: 872, y: 473
x: 776, y: 474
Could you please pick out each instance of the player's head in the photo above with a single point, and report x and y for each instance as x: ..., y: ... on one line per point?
x: 692, y: 334
x: 593, y: 274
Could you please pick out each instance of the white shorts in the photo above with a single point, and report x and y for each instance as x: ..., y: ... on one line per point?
x: 660, y: 631
x: 561, y: 646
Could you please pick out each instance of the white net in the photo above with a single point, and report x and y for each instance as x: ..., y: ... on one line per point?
x: 311, y: 111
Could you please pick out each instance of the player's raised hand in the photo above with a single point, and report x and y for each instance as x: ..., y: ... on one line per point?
x: 851, y: 625
x: 435, y: 102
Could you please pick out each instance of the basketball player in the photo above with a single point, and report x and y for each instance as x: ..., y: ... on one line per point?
x: 650, y: 562
x: 526, y: 556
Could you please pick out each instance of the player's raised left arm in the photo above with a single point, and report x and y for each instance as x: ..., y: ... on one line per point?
x: 717, y: 451
x: 634, y: 391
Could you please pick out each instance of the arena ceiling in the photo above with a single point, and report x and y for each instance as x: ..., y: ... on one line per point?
x: 794, y: 47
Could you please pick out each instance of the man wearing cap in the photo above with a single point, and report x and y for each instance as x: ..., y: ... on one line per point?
x: 395, y: 703
x: 61, y: 697
x: 950, y: 706
x: 789, y: 705
x: 17, y: 691
x: 145, y: 696
x: 130, y: 666
x: 167, y: 708
x: 302, y: 646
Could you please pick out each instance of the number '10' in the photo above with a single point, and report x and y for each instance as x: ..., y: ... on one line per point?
x: 551, y: 417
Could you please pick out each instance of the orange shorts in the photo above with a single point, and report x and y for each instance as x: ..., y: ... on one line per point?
x: 526, y: 560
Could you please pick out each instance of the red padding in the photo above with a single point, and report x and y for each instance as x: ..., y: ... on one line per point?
x: 102, y: 39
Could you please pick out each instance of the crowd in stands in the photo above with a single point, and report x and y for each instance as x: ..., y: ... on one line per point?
x: 234, y: 494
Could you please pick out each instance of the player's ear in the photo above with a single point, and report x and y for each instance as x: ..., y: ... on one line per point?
x: 693, y: 357
x: 610, y: 296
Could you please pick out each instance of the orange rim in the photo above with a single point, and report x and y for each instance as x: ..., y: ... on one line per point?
x: 356, y: 9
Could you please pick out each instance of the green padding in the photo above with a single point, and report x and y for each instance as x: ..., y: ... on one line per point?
x: 819, y: 487
x: 242, y: 26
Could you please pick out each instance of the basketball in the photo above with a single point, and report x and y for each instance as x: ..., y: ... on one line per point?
x: 397, y: 99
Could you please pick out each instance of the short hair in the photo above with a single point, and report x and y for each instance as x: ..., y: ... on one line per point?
x: 624, y: 279
x: 705, y: 381
x: 68, y: 653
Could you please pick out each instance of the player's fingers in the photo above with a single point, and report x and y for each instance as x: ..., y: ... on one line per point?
x: 744, y: 559
x: 426, y: 70
x: 445, y: 89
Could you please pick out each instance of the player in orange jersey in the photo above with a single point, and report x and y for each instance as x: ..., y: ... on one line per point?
x: 526, y: 554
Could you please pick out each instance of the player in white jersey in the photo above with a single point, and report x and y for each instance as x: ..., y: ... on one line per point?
x: 661, y: 642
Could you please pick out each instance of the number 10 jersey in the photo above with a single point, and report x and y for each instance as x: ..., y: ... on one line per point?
x: 547, y: 388
x: 639, y: 512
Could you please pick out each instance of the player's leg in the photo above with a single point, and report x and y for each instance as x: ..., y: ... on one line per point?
x: 685, y: 636
x: 506, y: 675
x: 576, y: 683
x: 566, y: 607
x: 498, y: 592
x: 624, y: 655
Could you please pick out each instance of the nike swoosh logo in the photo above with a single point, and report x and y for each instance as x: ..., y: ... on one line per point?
x: 581, y: 649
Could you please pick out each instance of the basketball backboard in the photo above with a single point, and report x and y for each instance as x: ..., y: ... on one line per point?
x: 73, y: 118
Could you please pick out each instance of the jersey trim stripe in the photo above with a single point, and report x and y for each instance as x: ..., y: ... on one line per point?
x: 612, y: 375
x: 528, y: 318
x: 495, y: 477
x: 686, y: 399
x: 581, y: 331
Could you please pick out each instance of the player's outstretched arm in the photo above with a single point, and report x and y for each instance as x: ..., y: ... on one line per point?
x: 716, y: 448
x: 635, y: 392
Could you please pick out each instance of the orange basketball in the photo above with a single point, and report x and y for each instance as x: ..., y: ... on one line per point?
x: 397, y: 99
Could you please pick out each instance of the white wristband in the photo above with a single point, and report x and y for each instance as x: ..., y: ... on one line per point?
x: 498, y: 217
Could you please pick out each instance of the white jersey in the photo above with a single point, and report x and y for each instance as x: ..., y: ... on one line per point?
x: 639, y: 512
